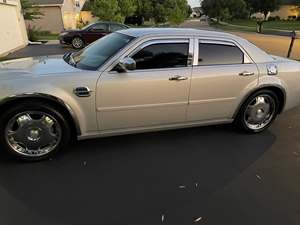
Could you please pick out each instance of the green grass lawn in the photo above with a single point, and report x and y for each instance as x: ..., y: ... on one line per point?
x: 47, y: 37
x: 277, y: 25
x: 250, y: 25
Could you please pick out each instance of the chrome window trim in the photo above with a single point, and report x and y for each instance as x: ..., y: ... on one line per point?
x: 140, y: 44
x: 163, y: 41
x: 205, y: 40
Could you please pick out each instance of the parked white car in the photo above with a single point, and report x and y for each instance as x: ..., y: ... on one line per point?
x: 140, y: 80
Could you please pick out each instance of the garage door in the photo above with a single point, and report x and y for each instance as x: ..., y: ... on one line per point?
x: 11, y: 29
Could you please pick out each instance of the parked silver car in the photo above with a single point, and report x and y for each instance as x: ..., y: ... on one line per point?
x: 140, y: 80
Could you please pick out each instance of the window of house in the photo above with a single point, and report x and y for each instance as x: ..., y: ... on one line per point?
x: 219, y: 54
x: 162, y: 55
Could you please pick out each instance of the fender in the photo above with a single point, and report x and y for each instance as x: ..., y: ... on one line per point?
x: 47, y: 97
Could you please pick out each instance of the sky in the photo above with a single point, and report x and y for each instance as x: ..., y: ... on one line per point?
x: 194, y: 3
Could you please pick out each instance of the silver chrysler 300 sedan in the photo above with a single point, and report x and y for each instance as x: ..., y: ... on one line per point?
x: 140, y: 80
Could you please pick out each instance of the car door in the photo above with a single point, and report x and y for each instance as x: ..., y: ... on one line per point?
x: 154, y: 94
x: 222, y: 74
x: 95, y: 32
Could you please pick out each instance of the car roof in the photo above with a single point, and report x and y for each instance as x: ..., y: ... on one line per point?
x: 140, y: 32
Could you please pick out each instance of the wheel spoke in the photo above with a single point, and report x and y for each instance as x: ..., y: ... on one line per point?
x: 47, y: 121
x: 260, y: 100
x: 24, y: 119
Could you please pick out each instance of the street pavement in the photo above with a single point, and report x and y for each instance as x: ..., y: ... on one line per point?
x: 207, y: 175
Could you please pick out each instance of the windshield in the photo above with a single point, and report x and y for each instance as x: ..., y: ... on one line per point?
x: 85, y: 27
x: 94, y: 56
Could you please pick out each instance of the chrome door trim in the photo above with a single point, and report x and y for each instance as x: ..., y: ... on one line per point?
x: 135, y: 107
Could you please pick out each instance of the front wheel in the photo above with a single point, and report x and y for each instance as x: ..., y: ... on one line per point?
x: 258, y: 112
x: 33, y: 131
x: 77, y: 43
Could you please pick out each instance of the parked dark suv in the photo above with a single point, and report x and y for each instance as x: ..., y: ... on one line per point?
x: 90, y: 33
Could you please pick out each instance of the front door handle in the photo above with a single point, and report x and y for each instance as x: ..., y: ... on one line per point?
x: 246, y: 74
x: 178, y: 78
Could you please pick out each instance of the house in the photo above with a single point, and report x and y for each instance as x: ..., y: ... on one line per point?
x: 196, y: 12
x: 288, y: 10
x: 13, y: 33
x: 58, y: 15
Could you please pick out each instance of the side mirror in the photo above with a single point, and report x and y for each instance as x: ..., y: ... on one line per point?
x: 126, y: 64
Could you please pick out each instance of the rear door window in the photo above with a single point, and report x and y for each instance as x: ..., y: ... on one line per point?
x: 219, y: 54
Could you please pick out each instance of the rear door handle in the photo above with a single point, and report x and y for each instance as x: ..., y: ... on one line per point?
x: 178, y: 78
x: 246, y: 74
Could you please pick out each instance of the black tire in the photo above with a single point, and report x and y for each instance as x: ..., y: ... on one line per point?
x: 34, y: 106
x: 240, y: 121
x: 77, y: 43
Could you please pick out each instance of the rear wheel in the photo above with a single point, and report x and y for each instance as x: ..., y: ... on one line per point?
x: 258, y: 112
x: 77, y: 43
x: 33, y: 131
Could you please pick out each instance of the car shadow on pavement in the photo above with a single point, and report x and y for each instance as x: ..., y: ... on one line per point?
x: 135, y: 179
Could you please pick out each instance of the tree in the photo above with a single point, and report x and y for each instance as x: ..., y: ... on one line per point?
x: 29, y: 11
x: 189, y: 10
x: 225, y: 9
x: 177, y: 10
x: 159, y: 13
x: 263, y: 7
x: 113, y: 10
x: 127, y: 7
x: 237, y: 9
x: 214, y: 8
x: 107, y: 10
x: 144, y: 8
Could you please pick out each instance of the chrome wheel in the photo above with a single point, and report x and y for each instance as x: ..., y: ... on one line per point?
x: 77, y: 43
x: 260, y: 112
x: 33, y: 133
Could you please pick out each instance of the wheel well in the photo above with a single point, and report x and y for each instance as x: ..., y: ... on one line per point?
x: 278, y: 91
x: 281, y: 96
x: 61, y: 107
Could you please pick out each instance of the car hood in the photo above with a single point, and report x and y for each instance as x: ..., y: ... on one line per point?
x: 36, y: 66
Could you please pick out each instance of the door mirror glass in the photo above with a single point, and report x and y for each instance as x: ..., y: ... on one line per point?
x: 126, y: 64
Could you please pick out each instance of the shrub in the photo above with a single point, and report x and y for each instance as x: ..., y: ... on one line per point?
x: 32, y: 34
x: 274, y: 18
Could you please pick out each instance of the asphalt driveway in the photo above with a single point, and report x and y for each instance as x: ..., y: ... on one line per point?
x: 210, y: 175
x: 52, y: 48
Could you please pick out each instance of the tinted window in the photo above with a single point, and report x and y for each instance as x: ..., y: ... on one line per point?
x: 95, y: 55
x: 116, y: 27
x: 162, y: 56
x: 99, y: 27
x: 218, y: 54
